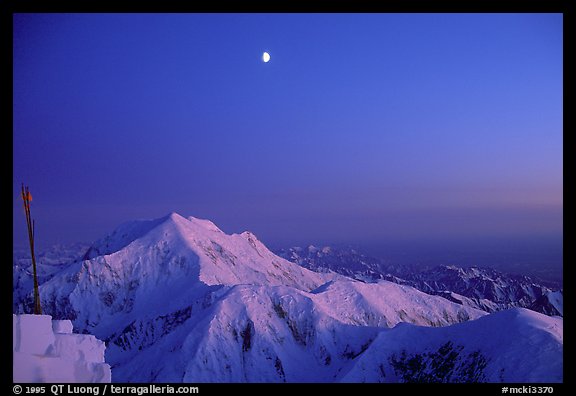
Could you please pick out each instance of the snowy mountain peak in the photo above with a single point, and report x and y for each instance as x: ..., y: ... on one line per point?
x: 131, y: 231
x: 122, y: 237
x: 176, y: 299
x: 135, y: 268
x: 221, y: 259
x: 206, y: 224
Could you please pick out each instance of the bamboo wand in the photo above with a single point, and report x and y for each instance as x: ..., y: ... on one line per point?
x: 27, y: 197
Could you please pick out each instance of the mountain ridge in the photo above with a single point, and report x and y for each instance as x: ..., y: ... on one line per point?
x: 483, y: 288
x: 178, y: 300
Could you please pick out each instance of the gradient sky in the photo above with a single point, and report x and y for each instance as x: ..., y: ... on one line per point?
x: 362, y: 127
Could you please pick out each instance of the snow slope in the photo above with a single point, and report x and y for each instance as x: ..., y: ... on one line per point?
x: 516, y: 345
x: 176, y: 299
x: 279, y: 333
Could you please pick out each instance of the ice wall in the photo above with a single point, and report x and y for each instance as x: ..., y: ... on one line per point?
x: 46, y: 350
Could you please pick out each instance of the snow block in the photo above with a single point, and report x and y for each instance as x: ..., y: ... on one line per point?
x: 48, y: 351
x: 57, y: 370
x: 80, y: 347
x: 62, y: 326
x: 35, y: 334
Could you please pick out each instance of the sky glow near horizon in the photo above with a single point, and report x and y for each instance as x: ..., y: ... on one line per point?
x: 364, y: 127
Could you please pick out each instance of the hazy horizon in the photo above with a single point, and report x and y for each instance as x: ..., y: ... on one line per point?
x: 537, y: 256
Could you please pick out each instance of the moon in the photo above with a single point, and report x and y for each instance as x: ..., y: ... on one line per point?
x: 266, y: 57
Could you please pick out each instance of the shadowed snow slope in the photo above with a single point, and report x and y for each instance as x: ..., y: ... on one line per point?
x: 176, y: 299
x: 516, y: 345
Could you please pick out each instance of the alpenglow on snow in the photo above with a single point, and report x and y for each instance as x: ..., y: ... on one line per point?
x: 178, y: 300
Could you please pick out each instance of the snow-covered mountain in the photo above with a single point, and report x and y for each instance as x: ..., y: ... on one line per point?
x: 489, y: 289
x: 482, y: 288
x: 176, y: 299
x: 347, y: 261
x: 259, y: 333
x: 494, y: 348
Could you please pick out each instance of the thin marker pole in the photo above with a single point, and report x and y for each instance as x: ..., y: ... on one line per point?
x: 27, y: 197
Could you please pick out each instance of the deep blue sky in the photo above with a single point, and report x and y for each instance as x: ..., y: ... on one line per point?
x: 362, y: 127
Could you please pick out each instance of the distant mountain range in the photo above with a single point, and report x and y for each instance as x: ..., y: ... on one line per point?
x: 178, y: 300
x: 481, y: 288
